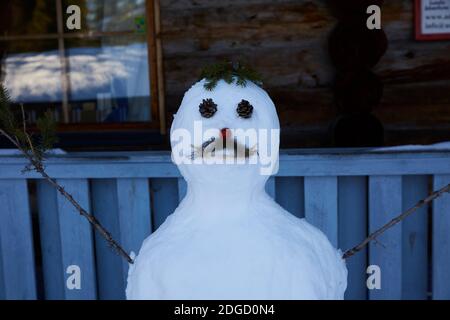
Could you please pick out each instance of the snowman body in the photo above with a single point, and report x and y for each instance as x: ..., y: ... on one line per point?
x: 228, y: 239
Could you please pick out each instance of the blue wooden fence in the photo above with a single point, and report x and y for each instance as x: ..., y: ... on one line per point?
x: 346, y: 193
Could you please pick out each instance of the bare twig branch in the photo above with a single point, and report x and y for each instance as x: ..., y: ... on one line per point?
x: 24, y: 122
x: 377, y: 242
x: 373, y: 236
x: 92, y: 220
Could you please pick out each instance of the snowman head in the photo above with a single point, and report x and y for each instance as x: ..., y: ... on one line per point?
x: 227, y: 132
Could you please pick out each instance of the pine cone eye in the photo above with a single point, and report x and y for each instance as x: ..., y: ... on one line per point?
x: 207, y: 108
x: 244, y: 109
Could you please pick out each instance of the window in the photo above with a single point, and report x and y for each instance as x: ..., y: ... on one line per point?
x: 102, y: 76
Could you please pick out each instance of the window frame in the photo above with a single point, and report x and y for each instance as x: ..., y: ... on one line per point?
x: 154, y: 55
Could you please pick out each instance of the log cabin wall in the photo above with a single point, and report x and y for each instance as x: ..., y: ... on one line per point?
x: 416, y: 74
x: 286, y: 41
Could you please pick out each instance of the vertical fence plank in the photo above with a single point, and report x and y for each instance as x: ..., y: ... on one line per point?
x: 109, y: 264
x: 441, y: 241
x: 385, y: 202
x: 2, y: 282
x: 165, y: 199
x: 134, y: 215
x: 415, y: 240
x: 52, y: 268
x: 77, y: 245
x: 321, y: 205
x: 182, y: 188
x: 16, y: 241
x: 352, y: 208
x: 270, y: 187
x: 290, y: 194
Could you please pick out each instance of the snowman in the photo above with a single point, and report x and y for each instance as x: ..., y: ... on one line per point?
x: 228, y: 239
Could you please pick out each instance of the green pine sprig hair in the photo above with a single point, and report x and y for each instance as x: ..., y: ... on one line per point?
x: 17, y: 129
x: 229, y: 72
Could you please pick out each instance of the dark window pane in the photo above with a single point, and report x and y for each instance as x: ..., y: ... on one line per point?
x: 27, y: 17
x: 109, y: 79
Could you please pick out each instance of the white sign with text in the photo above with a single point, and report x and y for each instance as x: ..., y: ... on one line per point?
x: 435, y: 16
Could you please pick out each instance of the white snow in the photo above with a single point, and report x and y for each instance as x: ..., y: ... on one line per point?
x: 431, y: 147
x: 228, y: 239
x: 15, y: 152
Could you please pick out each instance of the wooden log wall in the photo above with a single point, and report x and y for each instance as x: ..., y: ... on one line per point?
x: 286, y: 40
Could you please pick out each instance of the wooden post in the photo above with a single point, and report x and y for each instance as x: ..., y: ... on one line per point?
x: 355, y: 50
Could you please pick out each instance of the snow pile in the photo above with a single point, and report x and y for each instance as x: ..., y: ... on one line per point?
x: 442, y: 146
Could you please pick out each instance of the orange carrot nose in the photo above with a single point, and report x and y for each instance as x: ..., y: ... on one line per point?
x: 225, y: 133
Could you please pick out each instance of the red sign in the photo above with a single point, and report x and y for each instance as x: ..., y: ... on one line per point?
x: 432, y: 19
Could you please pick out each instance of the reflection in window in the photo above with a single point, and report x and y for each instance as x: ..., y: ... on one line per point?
x: 98, y: 74
x: 32, y: 74
x: 108, y: 79
x: 109, y: 15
